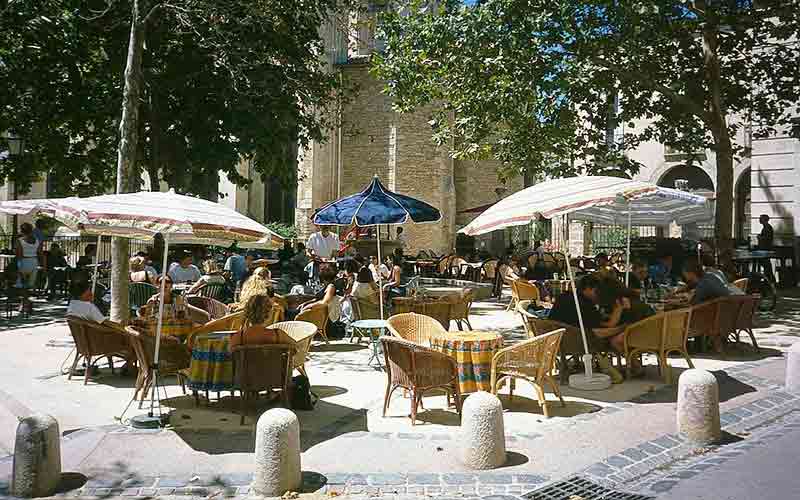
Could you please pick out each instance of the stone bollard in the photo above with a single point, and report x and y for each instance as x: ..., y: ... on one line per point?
x: 277, y: 453
x: 37, y: 457
x: 793, y: 369
x: 483, y: 440
x: 698, y: 407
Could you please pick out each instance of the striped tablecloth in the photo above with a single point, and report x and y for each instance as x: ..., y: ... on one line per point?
x: 211, y: 368
x: 473, y: 351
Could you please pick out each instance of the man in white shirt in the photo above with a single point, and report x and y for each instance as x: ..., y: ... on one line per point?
x: 323, y: 244
x: 376, y: 269
x: 81, y: 305
x: 185, y: 271
x: 400, y: 238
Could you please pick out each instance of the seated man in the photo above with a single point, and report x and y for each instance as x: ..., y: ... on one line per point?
x: 706, y: 285
x: 82, y: 305
x: 564, y: 309
x: 185, y: 271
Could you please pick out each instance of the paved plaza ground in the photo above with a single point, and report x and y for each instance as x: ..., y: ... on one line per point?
x: 623, y: 438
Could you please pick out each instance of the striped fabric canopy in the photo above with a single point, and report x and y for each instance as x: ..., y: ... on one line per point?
x: 604, y: 200
x: 142, y: 215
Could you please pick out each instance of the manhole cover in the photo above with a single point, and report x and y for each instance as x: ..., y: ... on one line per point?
x: 577, y: 488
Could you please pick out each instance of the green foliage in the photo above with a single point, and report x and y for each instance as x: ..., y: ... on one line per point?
x: 222, y: 81
x: 533, y: 82
x: 285, y: 231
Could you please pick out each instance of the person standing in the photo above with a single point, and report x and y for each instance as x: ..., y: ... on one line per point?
x: 321, y: 245
x: 400, y: 238
x: 29, y: 251
x: 238, y: 265
x: 766, y: 241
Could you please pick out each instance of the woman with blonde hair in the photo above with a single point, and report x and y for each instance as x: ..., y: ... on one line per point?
x: 212, y: 275
x: 257, y: 318
x: 139, y: 272
x: 257, y: 283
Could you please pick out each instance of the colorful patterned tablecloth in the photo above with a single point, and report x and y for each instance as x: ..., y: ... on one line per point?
x: 211, y: 368
x: 473, y: 351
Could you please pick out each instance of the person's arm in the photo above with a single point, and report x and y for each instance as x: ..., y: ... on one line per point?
x: 18, y: 249
x: 616, y: 314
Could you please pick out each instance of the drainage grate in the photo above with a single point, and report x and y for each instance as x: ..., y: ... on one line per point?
x: 577, y: 488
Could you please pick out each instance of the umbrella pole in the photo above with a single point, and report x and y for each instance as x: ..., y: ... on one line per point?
x: 628, y: 251
x: 158, y: 327
x: 380, y: 275
x: 586, y: 356
x: 96, y: 267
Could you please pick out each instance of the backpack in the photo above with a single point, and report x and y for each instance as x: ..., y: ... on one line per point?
x: 302, y: 398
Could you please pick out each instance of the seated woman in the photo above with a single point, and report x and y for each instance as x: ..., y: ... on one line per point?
x: 177, y: 315
x: 212, y: 275
x: 257, y: 318
x: 139, y: 272
x: 257, y: 284
x: 365, y: 287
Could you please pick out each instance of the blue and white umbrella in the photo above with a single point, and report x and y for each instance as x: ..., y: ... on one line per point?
x: 374, y: 206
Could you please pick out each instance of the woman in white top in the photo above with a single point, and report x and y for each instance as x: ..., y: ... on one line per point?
x: 364, y: 287
x: 28, y: 253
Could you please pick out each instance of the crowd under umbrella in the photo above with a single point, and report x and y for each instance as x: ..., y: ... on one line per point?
x: 178, y: 218
x: 606, y: 200
x: 376, y: 206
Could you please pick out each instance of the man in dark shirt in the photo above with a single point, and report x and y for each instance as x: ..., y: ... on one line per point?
x: 564, y: 309
x: 706, y: 285
x: 767, y: 237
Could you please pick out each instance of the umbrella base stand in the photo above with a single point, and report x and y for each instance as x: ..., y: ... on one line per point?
x: 147, y: 421
x: 593, y: 382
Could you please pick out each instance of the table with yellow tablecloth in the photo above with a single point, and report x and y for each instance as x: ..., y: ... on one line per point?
x: 473, y: 352
x: 211, y: 368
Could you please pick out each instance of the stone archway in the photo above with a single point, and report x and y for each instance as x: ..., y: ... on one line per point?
x: 742, y: 206
x: 698, y: 179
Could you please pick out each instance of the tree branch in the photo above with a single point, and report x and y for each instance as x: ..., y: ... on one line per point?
x: 151, y: 14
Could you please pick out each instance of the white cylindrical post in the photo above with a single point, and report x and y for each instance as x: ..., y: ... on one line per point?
x: 793, y: 369
x: 37, y: 457
x: 277, y: 453
x: 628, y: 250
x: 483, y: 440
x: 698, y: 407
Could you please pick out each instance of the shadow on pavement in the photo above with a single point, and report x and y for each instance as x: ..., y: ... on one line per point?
x: 729, y: 388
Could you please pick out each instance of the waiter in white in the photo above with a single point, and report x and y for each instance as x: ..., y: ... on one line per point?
x: 322, y: 245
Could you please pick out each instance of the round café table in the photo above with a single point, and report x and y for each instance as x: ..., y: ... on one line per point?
x: 371, y: 327
x: 211, y: 367
x: 473, y: 352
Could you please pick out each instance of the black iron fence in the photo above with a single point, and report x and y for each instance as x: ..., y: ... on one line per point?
x: 73, y: 247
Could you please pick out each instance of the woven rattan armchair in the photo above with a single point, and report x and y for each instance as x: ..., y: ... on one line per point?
x: 139, y: 294
x: 457, y: 267
x: 742, y: 284
x: 522, y: 290
x: 299, y: 335
x: 318, y: 316
x: 443, y: 266
x: 460, y: 308
x: 705, y: 319
x: 265, y: 367
x: 213, y: 307
x: 216, y: 292
x: 532, y: 360
x: 230, y: 322
x: 744, y: 321
x: 489, y: 270
x: 661, y: 335
x: 97, y: 340
x: 527, y: 318
x: 173, y: 357
x: 418, y: 369
x: 416, y: 328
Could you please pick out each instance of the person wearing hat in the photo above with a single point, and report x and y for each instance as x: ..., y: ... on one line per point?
x: 212, y: 276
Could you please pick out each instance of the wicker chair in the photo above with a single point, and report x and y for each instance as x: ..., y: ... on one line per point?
x: 230, y: 322
x: 443, y: 266
x: 532, y: 360
x: 418, y: 369
x: 728, y: 318
x: 299, y: 335
x: 742, y: 284
x: 363, y: 309
x: 414, y: 327
x: 96, y: 340
x: 660, y: 334
x: 489, y: 270
x: 258, y: 368
x: 213, y: 307
x: 571, y: 341
x: 527, y: 318
x: 705, y: 320
x: 522, y: 290
x: 318, y: 316
x: 139, y: 294
x: 460, y: 308
x: 744, y: 321
x: 173, y: 357
x: 216, y: 292
x: 457, y: 270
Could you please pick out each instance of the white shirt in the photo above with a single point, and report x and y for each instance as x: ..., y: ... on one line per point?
x: 85, y: 310
x: 323, y: 247
x: 383, y: 269
x: 401, y: 238
x: 183, y: 274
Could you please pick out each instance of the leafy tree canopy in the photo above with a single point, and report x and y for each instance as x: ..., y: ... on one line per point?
x: 534, y: 82
x: 222, y: 81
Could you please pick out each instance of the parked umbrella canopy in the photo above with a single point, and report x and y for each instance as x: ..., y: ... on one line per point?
x: 375, y: 206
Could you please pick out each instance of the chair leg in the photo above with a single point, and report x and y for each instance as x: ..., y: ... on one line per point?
x: 753, y: 339
x: 685, y: 355
x: 563, y: 369
x: 88, y: 370
x: 542, y: 401
x: 74, y: 365
x: 110, y: 364
x: 468, y: 323
x: 386, y: 398
x: 414, y: 403
x: 665, y: 368
x: 512, y: 384
x: 556, y: 390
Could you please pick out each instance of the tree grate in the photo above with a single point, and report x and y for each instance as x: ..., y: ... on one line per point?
x: 578, y: 488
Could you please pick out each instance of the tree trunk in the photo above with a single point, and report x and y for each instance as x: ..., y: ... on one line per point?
x: 127, y: 158
x: 717, y: 121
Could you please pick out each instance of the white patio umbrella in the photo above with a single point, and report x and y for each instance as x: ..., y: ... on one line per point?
x: 144, y: 214
x: 608, y: 200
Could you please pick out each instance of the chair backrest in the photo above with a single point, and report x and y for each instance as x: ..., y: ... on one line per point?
x: 230, y: 322
x: 93, y: 339
x: 443, y: 266
x: 543, y: 326
x: 212, y: 291
x: 299, y: 335
x: 489, y: 269
x: 317, y: 315
x: 728, y: 314
x: 455, y: 266
x: 534, y: 357
x: 414, y: 327
x: 365, y: 309
x: 676, y: 327
x: 412, y: 365
x: 462, y: 304
x: 527, y: 318
x: 704, y: 318
x: 213, y: 307
x: 747, y: 311
x: 646, y: 333
x: 524, y: 290
x: 140, y: 293
x: 742, y: 284
x: 260, y: 367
